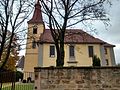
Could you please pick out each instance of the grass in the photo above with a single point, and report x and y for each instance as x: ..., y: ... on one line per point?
x: 21, y: 86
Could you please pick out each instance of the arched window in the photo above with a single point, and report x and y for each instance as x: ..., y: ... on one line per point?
x: 35, y: 29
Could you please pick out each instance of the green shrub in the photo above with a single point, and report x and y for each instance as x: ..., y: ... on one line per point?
x: 19, y: 75
x: 96, y: 61
x: 24, y: 81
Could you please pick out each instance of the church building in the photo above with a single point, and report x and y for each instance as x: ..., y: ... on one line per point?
x: 80, y: 47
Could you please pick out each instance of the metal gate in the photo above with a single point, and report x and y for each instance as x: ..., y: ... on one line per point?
x: 16, y: 81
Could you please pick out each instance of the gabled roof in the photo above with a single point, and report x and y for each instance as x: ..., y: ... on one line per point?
x: 73, y: 36
x: 37, y: 15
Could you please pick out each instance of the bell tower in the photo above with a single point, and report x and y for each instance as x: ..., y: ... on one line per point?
x: 35, y: 29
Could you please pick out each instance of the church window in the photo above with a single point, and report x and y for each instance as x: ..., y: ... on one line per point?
x: 90, y: 51
x: 35, y: 30
x: 107, y: 62
x: 71, y: 52
x: 52, y: 51
x: 33, y: 44
x: 105, y: 50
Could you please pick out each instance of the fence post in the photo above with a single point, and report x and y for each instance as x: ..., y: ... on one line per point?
x: 0, y: 81
x: 0, y: 85
x: 13, y: 81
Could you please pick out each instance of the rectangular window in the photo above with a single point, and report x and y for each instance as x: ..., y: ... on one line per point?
x: 34, y: 30
x: 90, y: 51
x: 105, y: 50
x: 33, y: 44
x: 107, y: 62
x: 52, y: 51
x: 71, y: 52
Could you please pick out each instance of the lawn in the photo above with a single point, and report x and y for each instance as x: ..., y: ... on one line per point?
x: 21, y: 86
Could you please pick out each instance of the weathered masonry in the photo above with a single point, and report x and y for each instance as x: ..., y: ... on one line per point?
x: 77, y: 78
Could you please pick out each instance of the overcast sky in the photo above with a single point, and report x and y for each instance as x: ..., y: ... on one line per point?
x: 112, y: 35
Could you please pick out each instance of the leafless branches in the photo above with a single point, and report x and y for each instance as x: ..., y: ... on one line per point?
x: 62, y: 14
x: 12, y: 14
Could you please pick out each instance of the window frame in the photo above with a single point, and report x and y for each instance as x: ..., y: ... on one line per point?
x: 107, y: 62
x: 90, y: 51
x: 52, y: 51
x: 72, y: 51
x: 33, y: 44
x: 106, y: 51
x: 34, y: 29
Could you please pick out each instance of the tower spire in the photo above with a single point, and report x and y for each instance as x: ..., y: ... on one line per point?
x: 37, y: 15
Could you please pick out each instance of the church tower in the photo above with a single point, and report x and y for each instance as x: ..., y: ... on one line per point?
x: 35, y: 29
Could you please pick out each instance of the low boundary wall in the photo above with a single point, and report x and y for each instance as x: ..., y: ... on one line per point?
x: 77, y: 78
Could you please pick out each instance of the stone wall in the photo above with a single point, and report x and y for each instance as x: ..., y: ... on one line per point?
x: 77, y: 78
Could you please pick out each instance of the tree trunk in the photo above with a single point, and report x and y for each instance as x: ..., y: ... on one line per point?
x: 60, y: 52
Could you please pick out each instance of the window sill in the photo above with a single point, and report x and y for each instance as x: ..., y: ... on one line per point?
x: 52, y: 56
x: 72, y: 61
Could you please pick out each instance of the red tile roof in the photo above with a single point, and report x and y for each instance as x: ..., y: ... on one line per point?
x: 72, y: 36
x: 37, y: 16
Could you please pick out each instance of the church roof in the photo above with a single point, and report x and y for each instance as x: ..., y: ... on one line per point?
x: 108, y: 45
x: 37, y: 15
x: 72, y: 36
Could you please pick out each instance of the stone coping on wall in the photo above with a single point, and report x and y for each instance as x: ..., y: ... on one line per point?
x: 36, y: 69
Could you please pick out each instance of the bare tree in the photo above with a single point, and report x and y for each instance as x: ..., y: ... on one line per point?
x: 12, y: 14
x: 62, y: 14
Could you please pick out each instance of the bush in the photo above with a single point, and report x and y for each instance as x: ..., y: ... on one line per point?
x: 96, y: 61
x: 24, y: 81
x: 19, y: 75
x: 29, y: 80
